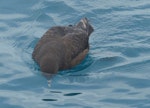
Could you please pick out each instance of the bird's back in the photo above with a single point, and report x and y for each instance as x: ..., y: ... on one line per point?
x: 62, y: 47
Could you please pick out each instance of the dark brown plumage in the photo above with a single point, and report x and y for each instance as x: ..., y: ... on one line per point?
x: 63, y: 47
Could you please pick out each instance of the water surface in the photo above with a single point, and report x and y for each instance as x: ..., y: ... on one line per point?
x: 115, y: 73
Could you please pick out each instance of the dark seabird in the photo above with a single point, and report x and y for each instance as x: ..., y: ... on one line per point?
x: 63, y: 47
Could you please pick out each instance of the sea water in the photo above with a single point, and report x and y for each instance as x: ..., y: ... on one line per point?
x: 115, y: 73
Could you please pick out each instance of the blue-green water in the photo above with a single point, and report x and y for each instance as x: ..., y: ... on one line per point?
x: 115, y: 74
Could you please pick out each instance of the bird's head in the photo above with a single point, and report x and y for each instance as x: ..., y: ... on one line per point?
x: 85, y: 25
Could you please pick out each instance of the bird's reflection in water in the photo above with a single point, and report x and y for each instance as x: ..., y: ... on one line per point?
x: 55, y: 92
x: 48, y: 77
